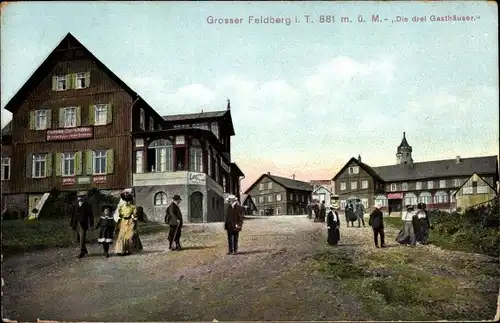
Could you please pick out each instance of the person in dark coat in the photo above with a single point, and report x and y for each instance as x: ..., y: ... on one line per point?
x: 350, y: 215
x: 333, y: 226
x: 309, y: 211
x: 233, y: 223
x: 322, y: 212
x: 316, y: 211
x: 377, y: 223
x: 106, y: 226
x: 173, y: 217
x: 82, y: 218
x: 424, y: 224
x: 360, y: 212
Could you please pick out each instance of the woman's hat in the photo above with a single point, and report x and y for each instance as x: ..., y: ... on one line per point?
x: 126, y: 196
x: 107, y: 206
x: 409, y: 206
x: 176, y: 198
x: 231, y: 198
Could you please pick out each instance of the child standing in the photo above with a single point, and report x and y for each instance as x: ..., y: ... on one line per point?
x: 106, y: 226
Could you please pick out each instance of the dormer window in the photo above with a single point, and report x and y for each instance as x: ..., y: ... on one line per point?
x: 353, y: 170
x: 61, y: 83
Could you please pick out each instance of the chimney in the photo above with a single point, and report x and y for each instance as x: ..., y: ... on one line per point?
x: 293, y: 176
x: 458, y: 160
x: 268, y: 173
x: 228, y: 104
x: 359, y: 158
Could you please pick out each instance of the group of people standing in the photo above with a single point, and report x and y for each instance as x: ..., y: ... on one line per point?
x: 355, y: 212
x: 316, y: 210
x: 125, y: 230
x: 416, y: 226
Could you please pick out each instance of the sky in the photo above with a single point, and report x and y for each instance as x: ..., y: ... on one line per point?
x: 305, y: 96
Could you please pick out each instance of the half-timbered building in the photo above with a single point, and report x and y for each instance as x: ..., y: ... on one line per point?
x: 276, y: 195
x: 76, y: 126
x: 409, y: 182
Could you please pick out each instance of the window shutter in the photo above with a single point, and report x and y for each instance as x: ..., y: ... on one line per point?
x: 109, y: 113
x: 91, y: 115
x: 32, y: 120
x: 48, y: 163
x: 110, y: 161
x: 69, y: 81
x: 58, y: 164
x: 78, y: 163
x: 49, y: 118
x: 89, y: 162
x: 29, y: 165
x: 61, y: 117
x: 87, y: 79
x: 78, y: 116
x: 54, y: 83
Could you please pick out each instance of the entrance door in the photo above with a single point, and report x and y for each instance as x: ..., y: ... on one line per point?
x: 196, y: 207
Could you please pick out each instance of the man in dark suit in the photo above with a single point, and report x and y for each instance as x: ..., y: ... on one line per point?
x: 82, y: 219
x: 173, y: 218
x: 233, y: 223
x: 377, y: 223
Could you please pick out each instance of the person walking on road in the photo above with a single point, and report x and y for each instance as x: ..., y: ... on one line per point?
x: 360, y: 212
x: 408, y: 222
x: 233, y: 223
x: 333, y: 226
x: 82, y: 219
x: 173, y: 217
x: 377, y: 223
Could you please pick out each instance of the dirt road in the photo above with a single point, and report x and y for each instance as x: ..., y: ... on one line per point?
x: 273, y: 278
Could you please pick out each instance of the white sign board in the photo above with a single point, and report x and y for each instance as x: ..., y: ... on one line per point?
x: 197, y: 178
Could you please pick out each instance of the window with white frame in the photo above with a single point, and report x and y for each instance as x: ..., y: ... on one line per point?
x: 261, y: 199
x: 151, y: 124
x: 430, y: 185
x: 100, y: 114
x: 303, y: 198
x: 61, y: 83
x: 196, y: 156
x: 161, y: 199
x: 425, y: 197
x: 290, y: 197
x: 80, y: 81
x: 354, y: 170
x: 482, y: 189
x: 343, y: 204
x: 442, y: 183
x: 99, y: 162
x: 5, y: 168
x: 418, y: 185
x: 393, y: 187
x: 278, y: 211
x: 364, y: 184
x: 381, y: 199
x: 278, y: 197
x: 68, y: 164
x: 163, y: 155
x: 68, y: 117
x: 139, y: 161
x: 410, y: 199
x: 142, y: 119
x: 404, y: 186
x: 269, y: 185
x: 41, y: 119
x: 456, y: 182
x: 39, y: 165
x: 261, y: 186
x: 441, y: 197
x: 354, y: 185
x: 269, y: 198
x: 343, y: 186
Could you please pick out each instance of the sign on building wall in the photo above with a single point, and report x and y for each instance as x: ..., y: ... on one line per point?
x: 83, y: 180
x: 197, y: 178
x: 70, y: 134
x: 68, y: 181
x: 99, y: 179
x: 394, y: 196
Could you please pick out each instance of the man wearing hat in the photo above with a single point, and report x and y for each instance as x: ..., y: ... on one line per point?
x: 173, y: 217
x: 233, y: 223
x: 333, y: 226
x: 408, y: 219
x: 377, y: 223
x: 82, y: 218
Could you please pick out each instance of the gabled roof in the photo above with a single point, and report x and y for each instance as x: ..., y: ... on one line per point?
x: 321, y: 186
x: 48, y: 64
x: 202, y: 116
x: 458, y: 189
x: 287, y: 183
x: 367, y: 169
x: 439, y: 168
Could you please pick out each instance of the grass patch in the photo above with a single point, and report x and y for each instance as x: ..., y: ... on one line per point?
x: 400, y: 284
x: 20, y: 236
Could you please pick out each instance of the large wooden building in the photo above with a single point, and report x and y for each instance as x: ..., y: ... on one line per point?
x: 407, y: 182
x: 276, y: 195
x: 76, y: 125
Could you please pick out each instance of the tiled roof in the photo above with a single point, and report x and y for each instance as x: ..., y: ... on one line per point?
x: 291, y: 183
x: 438, y: 168
x: 198, y: 115
x: 7, y: 130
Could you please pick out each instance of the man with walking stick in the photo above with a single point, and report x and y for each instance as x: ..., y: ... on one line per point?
x: 173, y: 217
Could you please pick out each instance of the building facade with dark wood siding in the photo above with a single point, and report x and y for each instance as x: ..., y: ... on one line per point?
x: 276, y: 195
x: 409, y: 182
x: 76, y: 126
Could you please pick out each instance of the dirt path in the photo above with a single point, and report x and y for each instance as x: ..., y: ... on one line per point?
x: 271, y: 279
